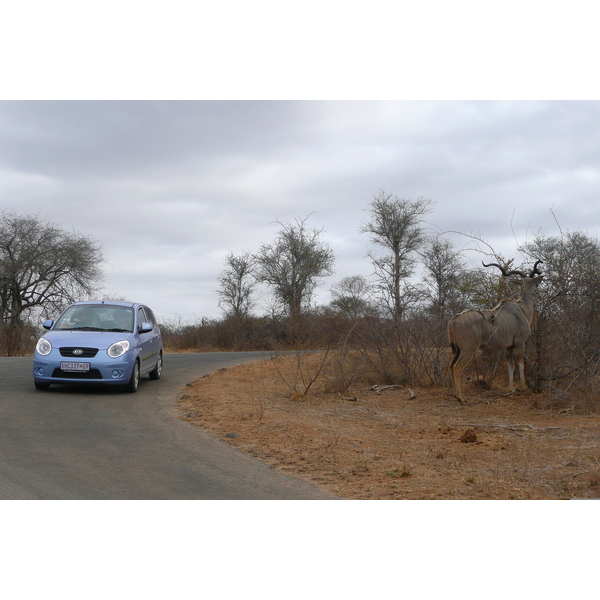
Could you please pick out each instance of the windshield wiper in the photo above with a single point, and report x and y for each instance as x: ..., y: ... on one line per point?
x: 119, y: 330
x: 87, y: 328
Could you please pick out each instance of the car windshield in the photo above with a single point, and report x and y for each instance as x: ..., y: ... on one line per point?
x: 96, y: 317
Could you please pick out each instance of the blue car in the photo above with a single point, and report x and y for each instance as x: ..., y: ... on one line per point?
x: 99, y: 343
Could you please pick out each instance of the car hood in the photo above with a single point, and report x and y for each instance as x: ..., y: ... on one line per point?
x: 86, y: 339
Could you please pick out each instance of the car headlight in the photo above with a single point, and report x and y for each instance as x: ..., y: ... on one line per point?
x: 118, y: 349
x: 43, y: 347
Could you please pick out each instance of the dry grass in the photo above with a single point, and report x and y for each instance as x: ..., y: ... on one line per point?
x: 403, y: 443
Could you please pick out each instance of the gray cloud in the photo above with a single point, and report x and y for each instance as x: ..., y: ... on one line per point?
x: 169, y: 187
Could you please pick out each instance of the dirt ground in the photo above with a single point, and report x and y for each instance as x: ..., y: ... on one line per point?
x: 417, y: 443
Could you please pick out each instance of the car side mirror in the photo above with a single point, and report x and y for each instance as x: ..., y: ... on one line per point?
x: 48, y: 324
x: 145, y: 328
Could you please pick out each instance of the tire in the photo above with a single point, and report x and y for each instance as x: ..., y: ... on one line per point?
x: 41, y: 386
x: 132, y: 386
x: 157, y: 371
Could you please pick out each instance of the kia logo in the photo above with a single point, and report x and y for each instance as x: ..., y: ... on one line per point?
x: 78, y: 352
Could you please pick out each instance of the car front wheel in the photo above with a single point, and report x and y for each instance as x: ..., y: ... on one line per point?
x: 132, y: 386
x: 157, y: 371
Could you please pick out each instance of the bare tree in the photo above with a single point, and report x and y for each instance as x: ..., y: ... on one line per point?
x: 443, y: 267
x: 395, y: 226
x: 42, y: 266
x: 293, y: 263
x: 351, y: 296
x: 568, y: 315
x: 237, y: 284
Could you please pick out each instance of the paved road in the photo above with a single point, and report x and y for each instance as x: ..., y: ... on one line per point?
x: 82, y: 443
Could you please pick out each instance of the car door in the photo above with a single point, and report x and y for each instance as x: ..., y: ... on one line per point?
x: 149, y: 341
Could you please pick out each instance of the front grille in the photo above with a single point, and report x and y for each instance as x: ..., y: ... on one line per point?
x: 85, y: 352
x: 91, y: 374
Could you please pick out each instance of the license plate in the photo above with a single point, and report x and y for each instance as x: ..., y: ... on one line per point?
x: 74, y: 366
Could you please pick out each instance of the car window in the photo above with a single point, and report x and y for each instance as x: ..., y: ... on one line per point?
x: 150, y: 316
x: 119, y: 318
x: 100, y: 317
x: 79, y: 317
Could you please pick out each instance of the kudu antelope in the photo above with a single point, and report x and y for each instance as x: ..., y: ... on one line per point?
x: 507, y: 327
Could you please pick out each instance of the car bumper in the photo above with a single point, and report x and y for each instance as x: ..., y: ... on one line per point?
x: 101, y: 372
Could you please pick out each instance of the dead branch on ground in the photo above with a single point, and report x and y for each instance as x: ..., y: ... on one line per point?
x: 516, y: 428
x: 354, y: 399
x: 383, y: 388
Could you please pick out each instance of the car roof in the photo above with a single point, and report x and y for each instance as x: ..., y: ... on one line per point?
x: 108, y: 303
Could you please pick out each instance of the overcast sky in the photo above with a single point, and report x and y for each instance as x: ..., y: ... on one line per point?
x: 168, y: 188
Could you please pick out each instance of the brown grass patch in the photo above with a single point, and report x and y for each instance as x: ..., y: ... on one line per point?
x: 416, y: 443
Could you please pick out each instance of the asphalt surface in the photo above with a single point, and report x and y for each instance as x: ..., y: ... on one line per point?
x: 100, y: 443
